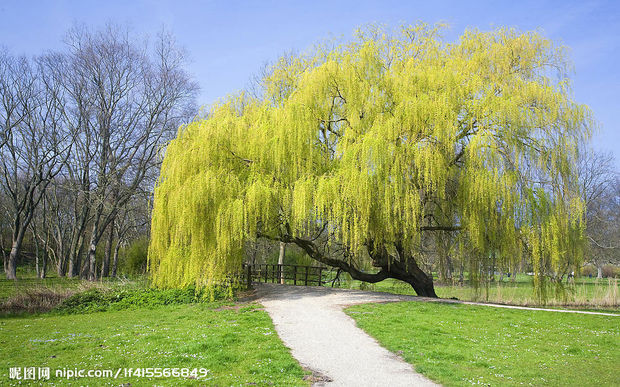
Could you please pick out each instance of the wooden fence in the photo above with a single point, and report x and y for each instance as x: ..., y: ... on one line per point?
x: 289, y: 274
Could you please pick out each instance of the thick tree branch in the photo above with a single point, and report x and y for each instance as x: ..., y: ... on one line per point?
x: 311, y: 249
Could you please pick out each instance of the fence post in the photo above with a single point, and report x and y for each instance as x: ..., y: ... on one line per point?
x: 306, y: 279
x: 273, y: 273
x: 294, y: 274
x: 320, y: 276
x: 265, y: 274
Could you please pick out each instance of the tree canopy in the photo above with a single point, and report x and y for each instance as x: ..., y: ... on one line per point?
x: 357, y: 151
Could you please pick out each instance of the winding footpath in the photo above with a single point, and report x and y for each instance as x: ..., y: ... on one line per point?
x: 311, y: 322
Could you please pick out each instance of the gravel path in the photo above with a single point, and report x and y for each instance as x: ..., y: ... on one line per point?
x: 310, y: 321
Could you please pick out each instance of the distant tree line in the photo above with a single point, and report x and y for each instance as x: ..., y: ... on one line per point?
x: 81, y: 135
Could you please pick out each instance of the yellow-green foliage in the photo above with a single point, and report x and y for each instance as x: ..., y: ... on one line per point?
x: 381, y: 137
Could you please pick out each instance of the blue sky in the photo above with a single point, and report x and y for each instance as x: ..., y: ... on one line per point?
x: 230, y: 40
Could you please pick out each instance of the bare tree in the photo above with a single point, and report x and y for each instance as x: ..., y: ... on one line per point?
x: 34, y: 144
x: 135, y: 101
x: 75, y: 182
x: 600, y: 186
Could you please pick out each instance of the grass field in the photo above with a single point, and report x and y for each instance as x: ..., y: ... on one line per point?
x: 139, y: 327
x: 235, y: 345
x: 459, y: 345
x: 585, y: 292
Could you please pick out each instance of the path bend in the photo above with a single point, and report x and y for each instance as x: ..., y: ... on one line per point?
x: 311, y: 322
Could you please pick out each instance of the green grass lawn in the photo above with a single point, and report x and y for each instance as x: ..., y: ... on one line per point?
x: 237, y: 345
x: 585, y: 292
x: 463, y: 344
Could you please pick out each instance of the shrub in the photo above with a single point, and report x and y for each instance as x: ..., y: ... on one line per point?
x: 95, y: 300
x: 611, y: 271
x: 92, y: 300
x: 153, y: 297
x: 588, y: 271
x: 134, y: 257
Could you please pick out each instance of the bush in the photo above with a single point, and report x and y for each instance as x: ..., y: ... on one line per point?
x: 92, y: 300
x: 95, y: 300
x: 588, y: 271
x: 367, y: 286
x: 608, y: 271
x: 611, y: 271
x: 134, y: 257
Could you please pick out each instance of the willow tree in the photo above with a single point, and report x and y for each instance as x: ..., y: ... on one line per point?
x: 354, y: 152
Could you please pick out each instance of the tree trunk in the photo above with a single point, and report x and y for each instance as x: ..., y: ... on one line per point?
x: 78, y: 234
x: 281, y: 260
x: 84, y: 265
x: 4, y: 255
x: 599, y: 271
x: 71, y: 268
x: 115, y: 259
x: 58, y: 254
x: 36, y: 254
x: 92, y: 250
x: 75, y: 257
x: 405, y: 268
x: 411, y: 273
x: 18, y: 238
x: 105, y: 266
x: 91, y: 261
x: 11, y: 272
x: 44, y: 266
x: 61, y: 263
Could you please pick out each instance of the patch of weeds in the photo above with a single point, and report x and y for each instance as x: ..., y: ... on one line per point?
x: 97, y: 300
x: 35, y: 300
